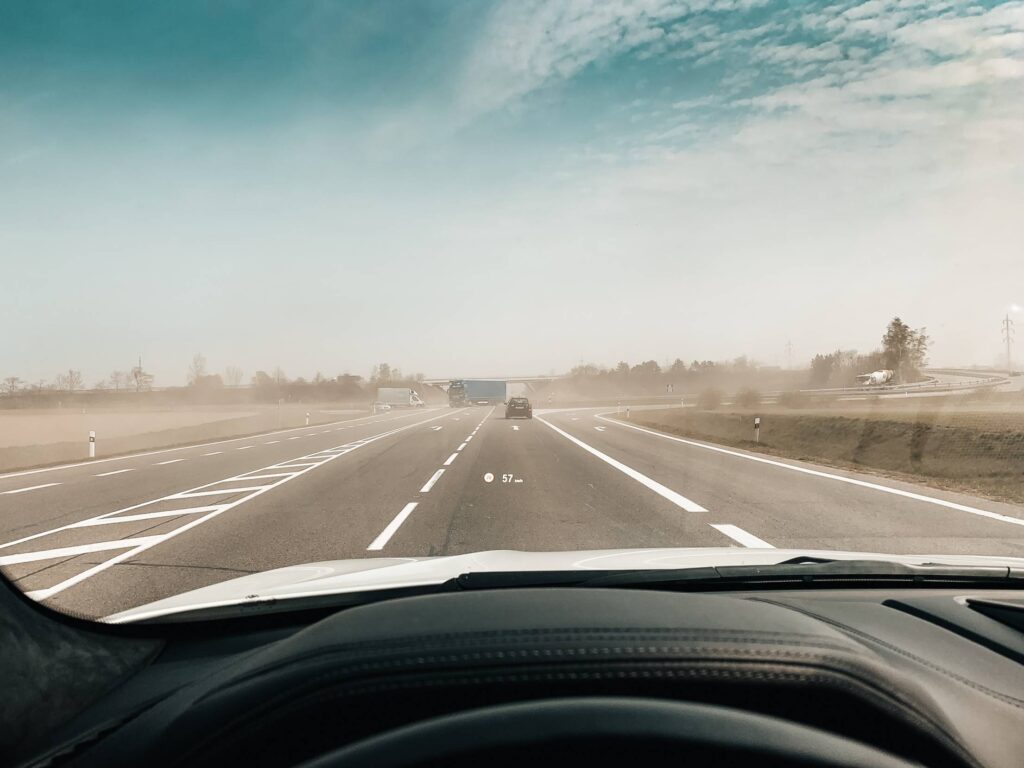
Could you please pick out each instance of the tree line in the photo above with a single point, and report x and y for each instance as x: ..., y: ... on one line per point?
x: 134, y: 379
x: 904, y: 351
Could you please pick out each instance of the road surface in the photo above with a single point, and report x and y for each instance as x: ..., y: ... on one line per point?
x: 103, y: 536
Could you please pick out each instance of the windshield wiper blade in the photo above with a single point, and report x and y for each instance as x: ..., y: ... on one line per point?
x: 797, y: 572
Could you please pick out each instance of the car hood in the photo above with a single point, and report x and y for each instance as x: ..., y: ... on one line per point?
x: 367, y: 574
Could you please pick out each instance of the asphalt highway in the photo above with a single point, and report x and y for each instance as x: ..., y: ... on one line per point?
x: 98, y: 537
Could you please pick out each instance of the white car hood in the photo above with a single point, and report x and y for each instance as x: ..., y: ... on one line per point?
x: 366, y: 574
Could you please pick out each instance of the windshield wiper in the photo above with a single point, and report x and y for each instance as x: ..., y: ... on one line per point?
x: 800, y: 572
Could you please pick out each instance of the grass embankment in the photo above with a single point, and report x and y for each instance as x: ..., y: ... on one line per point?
x: 978, y: 452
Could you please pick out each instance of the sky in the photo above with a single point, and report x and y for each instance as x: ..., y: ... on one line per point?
x: 504, y: 188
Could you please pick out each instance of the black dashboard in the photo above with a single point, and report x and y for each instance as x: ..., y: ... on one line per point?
x: 929, y: 677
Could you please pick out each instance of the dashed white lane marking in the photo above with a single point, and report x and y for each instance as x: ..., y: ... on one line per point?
x: 212, y: 453
x: 827, y: 475
x: 135, y: 547
x: 515, y: 429
x: 451, y: 458
x: 169, y: 461
x: 600, y: 429
x: 244, y: 448
x: 461, y: 447
x: 115, y: 472
x: 30, y: 488
x: 469, y: 438
x: 676, y: 498
x: 433, y: 479
x: 295, y: 438
x: 394, y: 525
x: 271, y: 442
x: 738, y: 534
x: 437, y: 428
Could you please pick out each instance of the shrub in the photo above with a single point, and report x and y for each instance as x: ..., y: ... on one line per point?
x: 748, y: 398
x: 793, y: 400
x: 709, y: 399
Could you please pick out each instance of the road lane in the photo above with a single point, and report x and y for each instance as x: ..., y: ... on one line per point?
x: 441, y: 482
x: 330, y: 512
x: 81, y: 494
x: 544, y: 493
x: 795, y: 510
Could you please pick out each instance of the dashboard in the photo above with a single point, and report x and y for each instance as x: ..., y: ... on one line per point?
x: 916, y: 677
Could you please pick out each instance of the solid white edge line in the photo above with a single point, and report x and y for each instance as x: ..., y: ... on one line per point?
x: 451, y: 458
x: 30, y: 488
x: 738, y: 534
x: 394, y: 525
x: 115, y: 472
x: 826, y: 475
x: 430, y: 483
x: 676, y: 498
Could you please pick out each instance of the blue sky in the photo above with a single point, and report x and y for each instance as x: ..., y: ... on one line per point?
x: 510, y: 187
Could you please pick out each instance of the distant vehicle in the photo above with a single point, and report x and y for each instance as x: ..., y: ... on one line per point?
x: 463, y: 392
x: 518, y: 408
x: 399, y: 397
x: 876, y: 379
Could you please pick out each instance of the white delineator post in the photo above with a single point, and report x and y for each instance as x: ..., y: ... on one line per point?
x: 627, y: 411
x: 307, y: 418
x: 92, y: 444
x: 757, y: 429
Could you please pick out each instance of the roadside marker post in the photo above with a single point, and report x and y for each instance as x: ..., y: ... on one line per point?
x: 307, y: 418
x: 92, y: 443
x: 627, y: 411
x: 757, y: 429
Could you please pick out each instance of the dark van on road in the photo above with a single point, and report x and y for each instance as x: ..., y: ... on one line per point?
x: 518, y: 407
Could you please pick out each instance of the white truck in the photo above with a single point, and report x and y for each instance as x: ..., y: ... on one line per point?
x: 398, y: 397
x: 876, y: 378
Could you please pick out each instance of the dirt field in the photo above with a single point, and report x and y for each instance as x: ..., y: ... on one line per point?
x: 36, y: 438
x: 973, y: 448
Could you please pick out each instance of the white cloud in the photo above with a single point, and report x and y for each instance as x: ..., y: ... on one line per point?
x: 530, y: 44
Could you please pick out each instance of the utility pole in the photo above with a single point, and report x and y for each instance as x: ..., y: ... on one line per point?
x: 1008, y: 338
x: 789, y: 355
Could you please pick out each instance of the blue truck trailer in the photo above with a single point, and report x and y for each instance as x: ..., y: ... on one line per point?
x: 463, y: 392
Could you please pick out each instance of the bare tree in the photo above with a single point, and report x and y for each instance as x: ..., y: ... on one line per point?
x: 60, y: 381
x: 74, y: 380
x: 196, y: 369
x: 279, y: 376
x: 141, y: 379
x: 233, y: 375
x: 118, y: 379
x: 11, y: 385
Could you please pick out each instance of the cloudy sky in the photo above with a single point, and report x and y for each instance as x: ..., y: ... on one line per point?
x: 469, y: 188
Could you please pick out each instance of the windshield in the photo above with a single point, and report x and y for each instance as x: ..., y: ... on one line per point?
x: 360, y: 284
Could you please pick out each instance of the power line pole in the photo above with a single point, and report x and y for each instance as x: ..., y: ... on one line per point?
x: 789, y: 355
x: 1008, y: 338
